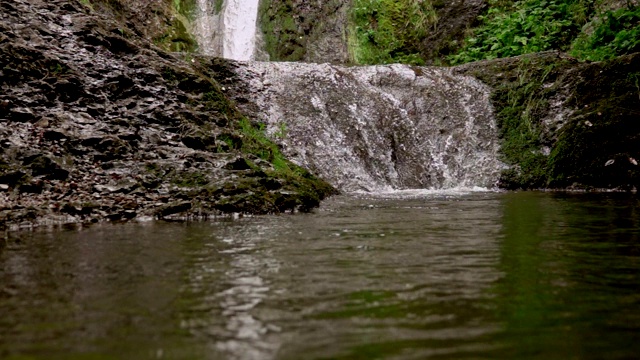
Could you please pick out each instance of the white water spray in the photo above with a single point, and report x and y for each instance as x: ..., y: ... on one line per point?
x: 229, y: 32
x: 206, y: 27
x: 239, y: 39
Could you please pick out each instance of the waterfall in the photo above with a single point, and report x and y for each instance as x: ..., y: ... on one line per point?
x: 365, y: 128
x: 228, y: 31
x: 374, y: 128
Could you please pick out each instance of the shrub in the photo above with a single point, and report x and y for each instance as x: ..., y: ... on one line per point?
x: 615, y: 33
x: 389, y: 31
x: 527, y: 26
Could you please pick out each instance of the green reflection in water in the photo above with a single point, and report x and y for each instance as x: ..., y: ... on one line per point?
x: 494, y: 276
x: 571, y: 276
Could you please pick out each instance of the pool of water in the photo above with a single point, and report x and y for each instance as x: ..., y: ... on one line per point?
x: 396, y: 276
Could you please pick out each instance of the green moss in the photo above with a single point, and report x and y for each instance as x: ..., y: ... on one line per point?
x: 311, y: 189
x: 190, y: 179
x: 218, y: 5
x: 215, y: 100
x: 186, y: 8
x: 283, y: 39
x: 255, y: 141
x: 520, y: 98
x: 177, y: 37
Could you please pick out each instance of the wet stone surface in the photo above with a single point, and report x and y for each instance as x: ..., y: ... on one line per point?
x: 98, y: 124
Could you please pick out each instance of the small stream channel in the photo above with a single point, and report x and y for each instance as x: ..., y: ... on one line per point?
x: 412, y: 275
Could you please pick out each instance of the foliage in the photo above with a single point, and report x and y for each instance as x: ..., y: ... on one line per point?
x: 256, y: 142
x: 616, y: 33
x: 525, y: 27
x: 388, y: 31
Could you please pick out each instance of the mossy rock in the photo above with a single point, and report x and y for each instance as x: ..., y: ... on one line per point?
x: 597, y: 106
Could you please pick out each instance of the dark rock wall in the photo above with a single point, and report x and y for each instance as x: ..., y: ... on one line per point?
x: 97, y: 123
x: 454, y: 19
x: 300, y: 30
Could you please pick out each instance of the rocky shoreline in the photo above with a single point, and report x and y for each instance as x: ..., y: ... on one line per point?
x: 97, y: 124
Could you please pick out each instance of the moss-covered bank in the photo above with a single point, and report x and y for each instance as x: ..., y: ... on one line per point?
x: 566, y: 123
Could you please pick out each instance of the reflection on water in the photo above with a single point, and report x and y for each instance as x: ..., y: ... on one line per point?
x: 481, y: 275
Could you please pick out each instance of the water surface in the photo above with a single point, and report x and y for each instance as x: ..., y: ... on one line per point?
x: 410, y: 276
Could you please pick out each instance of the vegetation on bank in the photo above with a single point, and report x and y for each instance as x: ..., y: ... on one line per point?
x: 595, y: 145
x: 614, y: 33
x: 526, y: 26
x: 592, y: 143
x: 390, y: 31
x: 523, y: 88
x: 580, y: 27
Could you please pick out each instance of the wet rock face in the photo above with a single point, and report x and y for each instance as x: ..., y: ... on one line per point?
x: 303, y: 30
x: 95, y: 124
x: 372, y: 128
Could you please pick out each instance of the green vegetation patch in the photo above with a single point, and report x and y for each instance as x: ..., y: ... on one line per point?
x: 388, y: 31
x: 614, y: 33
x: 526, y: 26
x: 311, y: 189
x: 522, y: 89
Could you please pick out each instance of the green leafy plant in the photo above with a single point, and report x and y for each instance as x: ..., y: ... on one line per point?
x: 615, y: 33
x: 281, y: 132
x: 524, y: 27
x: 387, y: 31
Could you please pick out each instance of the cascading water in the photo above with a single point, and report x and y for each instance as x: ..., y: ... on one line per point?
x: 239, y: 40
x: 375, y: 127
x: 361, y: 128
x: 206, y: 28
x: 227, y: 29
